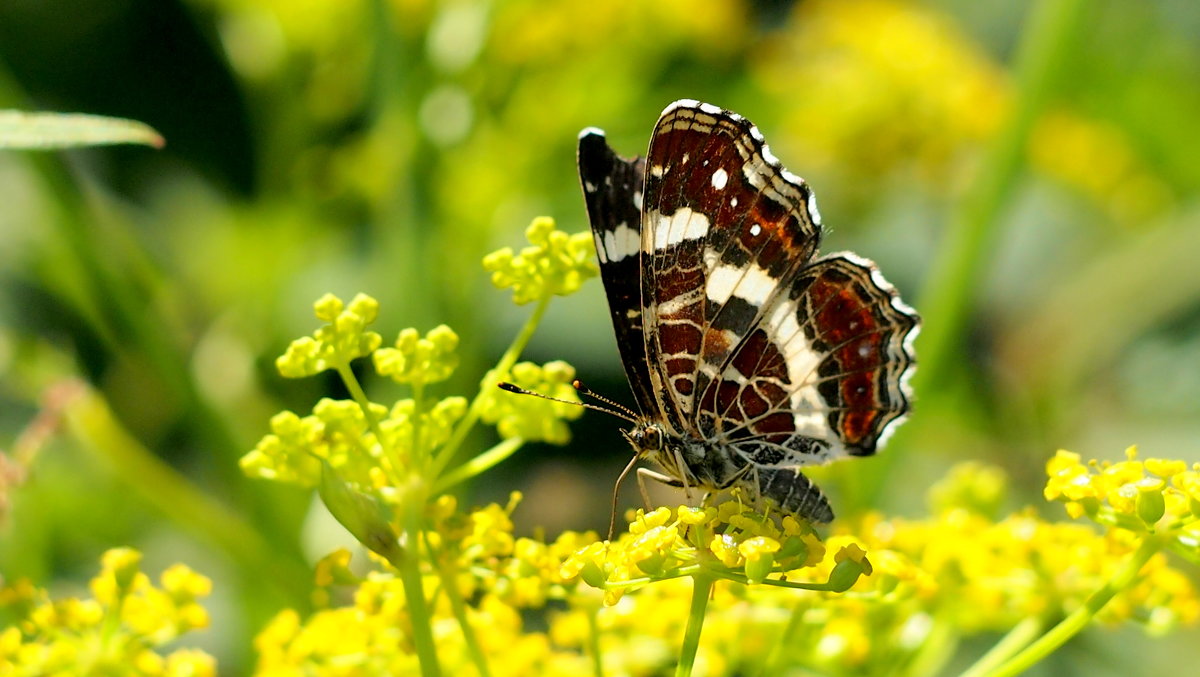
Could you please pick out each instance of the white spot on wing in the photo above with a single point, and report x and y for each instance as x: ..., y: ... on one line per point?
x: 656, y: 171
x: 637, y: 199
x: 589, y: 186
x: 684, y: 224
x: 753, y: 283
x: 719, y: 179
x: 755, y: 230
x: 733, y: 202
x: 721, y: 283
x: 621, y: 242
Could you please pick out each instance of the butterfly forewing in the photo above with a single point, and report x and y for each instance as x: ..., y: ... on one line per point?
x: 722, y: 225
x: 612, y: 189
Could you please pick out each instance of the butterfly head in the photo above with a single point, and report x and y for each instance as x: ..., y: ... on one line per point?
x: 647, y: 439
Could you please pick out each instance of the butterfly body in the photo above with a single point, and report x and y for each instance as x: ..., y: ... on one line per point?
x: 749, y: 357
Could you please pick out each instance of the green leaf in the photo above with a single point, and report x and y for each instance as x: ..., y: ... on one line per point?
x: 49, y: 131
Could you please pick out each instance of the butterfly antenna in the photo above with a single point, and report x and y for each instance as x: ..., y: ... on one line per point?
x: 612, y: 521
x: 617, y: 410
x: 588, y: 392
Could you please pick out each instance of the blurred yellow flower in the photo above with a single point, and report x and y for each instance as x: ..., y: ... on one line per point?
x: 880, y: 86
x: 121, y: 631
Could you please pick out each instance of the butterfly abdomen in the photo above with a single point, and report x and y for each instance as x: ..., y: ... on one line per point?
x: 792, y: 492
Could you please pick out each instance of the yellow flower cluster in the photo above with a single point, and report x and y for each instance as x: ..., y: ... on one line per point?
x: 555, y: 263
x: 728, y: 541
x: 365, y: 443
x: 342, y: 339
x: 1155, y: 494
x: 524, y: 572
x: 956, y: 573
x: 980, y: 575
x: 483, y: 559
x: 417, y: 359
x: 339, y: 434
x: 120, y: 630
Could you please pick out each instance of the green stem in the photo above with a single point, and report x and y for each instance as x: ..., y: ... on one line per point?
x: 702, y: 585
x: 774, y: 665
x: 419, y: 458
x: 459, y: 608
x: 414, y: 591
x: 822, y: 587
x: 948, y: 294
x: 594, y: 641
x: 507, y: 360
x: 479, y: 464
x: 1077, y: 620
x: 937, y: 649
x: 360, y: 397
x: 1020, y: 636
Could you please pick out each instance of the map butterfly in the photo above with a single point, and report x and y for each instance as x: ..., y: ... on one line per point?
x: 748, y: 355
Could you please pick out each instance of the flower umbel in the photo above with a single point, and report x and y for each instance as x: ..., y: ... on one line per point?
x: 728, y: 541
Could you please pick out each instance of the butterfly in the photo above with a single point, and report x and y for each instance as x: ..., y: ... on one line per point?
x: 749, y: 356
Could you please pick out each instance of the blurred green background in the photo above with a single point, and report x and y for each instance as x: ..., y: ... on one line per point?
x: 1026, y: 174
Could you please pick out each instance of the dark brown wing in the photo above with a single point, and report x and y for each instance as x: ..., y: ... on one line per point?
x: 612, y: 188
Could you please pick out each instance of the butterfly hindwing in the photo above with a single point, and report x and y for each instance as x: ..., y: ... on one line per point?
x: 824, y: 373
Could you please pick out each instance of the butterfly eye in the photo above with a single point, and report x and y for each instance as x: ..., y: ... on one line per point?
x: 652, y: 439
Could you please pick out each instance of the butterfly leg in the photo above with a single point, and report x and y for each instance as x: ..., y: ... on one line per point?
x: 645, y: 473
x: 746, y: 469
x: 680, y: 463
